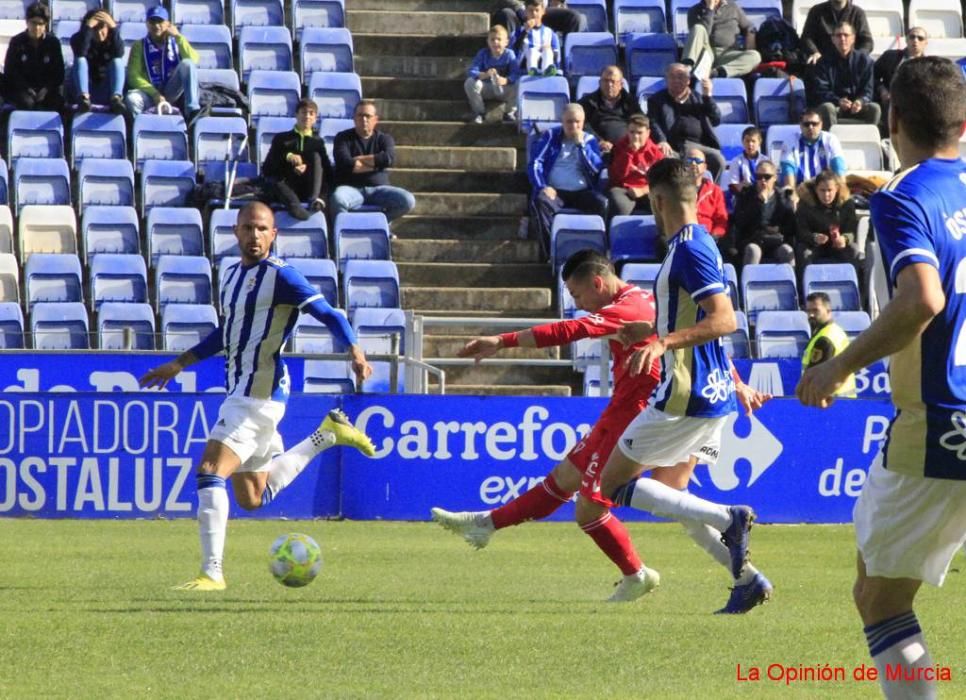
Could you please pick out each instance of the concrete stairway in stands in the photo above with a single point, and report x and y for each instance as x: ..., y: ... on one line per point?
x: 458, y: 252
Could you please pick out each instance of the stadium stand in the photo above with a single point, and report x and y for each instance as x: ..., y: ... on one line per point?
x: 125, y: 327
x: 370, y: 283
x: 59, y: 326
x: 595, y: 11
x: 360, y: 236
x: 335, y: 94
x: 301, y: 239
x: 781, y: 333
x: 182, y: 279
x: 46, y: 229
x: 316, y: 13
x: 11, y: 326
x: 325, y: 49
x: 105, y: 183
x: 34, y: 135
x: 9, y: 278
x: 322, y: 274
x: 52, y: 277
x: 159, y: 137
x: 118, y: 277
x: 573, y: 232
x: 541, y: 101
x: 768, y: 287
x: 185, y: 325
x: 97, y: 135
x: 110, y: 230
x: 212, y: 41
x: 838, y: 280
x: 174, y: 231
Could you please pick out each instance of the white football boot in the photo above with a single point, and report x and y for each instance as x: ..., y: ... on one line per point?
x: 636, y: 585
x: 473, y: 526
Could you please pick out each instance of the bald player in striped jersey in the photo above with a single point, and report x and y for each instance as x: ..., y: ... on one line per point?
x: 910, y: 518
x: 261, y: 298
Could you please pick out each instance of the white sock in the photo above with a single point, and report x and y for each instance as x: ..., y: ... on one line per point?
x: 660, y: 499
x: 290, y: 463
x: 898, y: 649
x: 212, y: 523
x: 709, y: 539
x: 533, y: 58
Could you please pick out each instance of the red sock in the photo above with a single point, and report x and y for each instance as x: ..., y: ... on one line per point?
x: 613, y: 539
x: 539, y: 502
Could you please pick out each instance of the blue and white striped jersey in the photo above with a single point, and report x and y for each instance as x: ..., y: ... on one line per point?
x: 695, y: 381
x: 806, y: 160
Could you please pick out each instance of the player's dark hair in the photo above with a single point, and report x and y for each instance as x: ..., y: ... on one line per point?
x: 674, y: 177
x: 586, y: 263
x: 929, y: 96
x: 752, y: 131
x: 822, y: 297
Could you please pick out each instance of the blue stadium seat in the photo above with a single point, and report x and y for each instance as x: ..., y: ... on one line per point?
x: 193, y: 13
x: 586, y: 351
x: 729, y: 135
x: 649, y: 54
x: 778, y: 136
x: 13, y: 9
x: 595, y: 11
x: 732, y: 275
x: 301, y: 239
x: 633, y: 239
x: 311, y: 335
x: 588, y: 53
x: 34, y: 135
x: 257, y: 14
x: 368, y: 283
x: 374, y: 329
x: 9, y: 277
x: 105, y: 182
x: 110, y: 230
x: 328, y: 128
x: 327, y: 377
x: 272, y: 94
x: 130, y: 11
x: 641, y: 274
x: 768, y: 287
x: 52, y: 277
x: 73, y: 10
x: 119, y: 277
x: 782, y: 334
x: 212, y: 42
x: 174, y: 231
x: 4, y: 184
x: 566, y: 306
x: 6, y: 229
x: 166, y: 183
x: 11, y: 326
x: 853, y: 322
x: 41, y: 181
x: 732, y: 99
x: 738, y: 344
x: 592, y: 381
x: 361, y: 236
x: 648, y: 85
x: 221, y: 234
x: 589, y: 83
x: 541, y: 101
x: 182, y: 279
x: 678, y: 18
x: 327, y: 50
x: 125, y: 326
x: 64, y: 29
x: 321, y: 273
x: 639, y: 17
x: 760, y: 10
x: 46, y: 229
x: 265, y: 131
x: 263, y: 48
x: 59, y: 326
x: 97, y: 135
x: 777, y: 101
x: 131, y: 33
x: 159, y: 137
x: 226, y: 77
x: 335, y: 94
x: 838, y: 280
x: 316, y: 13
x: 213, y: 138
x: 573, y: 232
x: 185, y: 325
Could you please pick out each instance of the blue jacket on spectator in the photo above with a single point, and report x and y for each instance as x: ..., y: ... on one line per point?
x: 506, y: 65
x: 837, y: 77
x: 547, y: 149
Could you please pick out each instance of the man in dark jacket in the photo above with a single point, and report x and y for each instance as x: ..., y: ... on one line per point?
x: 98, y: 74
x: 888, y: 63
x: 607, y: 109
x: 682, y: 119
x: 34, y: 66
x: 362, y: 157
x: 298, y: 165
x: 820, y: 24
x: 763, y: 224
x: 843, y: 82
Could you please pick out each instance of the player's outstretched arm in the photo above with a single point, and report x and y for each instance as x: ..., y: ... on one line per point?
x: 488, y: 345
x: 162, y: 374
x: 360, y: 365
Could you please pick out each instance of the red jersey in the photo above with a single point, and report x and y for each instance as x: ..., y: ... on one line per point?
x: 629, y: 304
x: 712, y: 212
x: 629, y: 168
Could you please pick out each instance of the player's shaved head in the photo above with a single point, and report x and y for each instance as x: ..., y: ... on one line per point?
x: 585, y: 264
x: 249, y: 209
x: 929, y: 98
x: 255, y: 231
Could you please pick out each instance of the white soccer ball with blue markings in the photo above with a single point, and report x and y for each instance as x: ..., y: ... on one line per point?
x: 295, y: 560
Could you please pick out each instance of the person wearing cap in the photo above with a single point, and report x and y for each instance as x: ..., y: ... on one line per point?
x: 162, y: 68
x: 34, y: 65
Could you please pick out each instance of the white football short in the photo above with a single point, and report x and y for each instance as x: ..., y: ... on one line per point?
x: 659, y: 439
x: 909, y: 526
x: 250, y: 428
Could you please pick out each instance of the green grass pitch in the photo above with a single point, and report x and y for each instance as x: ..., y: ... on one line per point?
x: 407, y: 610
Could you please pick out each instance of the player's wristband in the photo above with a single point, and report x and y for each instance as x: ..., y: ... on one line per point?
x: 510, y: 340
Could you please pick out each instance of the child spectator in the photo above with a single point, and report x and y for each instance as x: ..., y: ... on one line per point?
x: 741, y: 170
x: 298, y: 164
x: 632, y: 156
x: 98, y: 62
x: 493, y: 76
x: 34, y: 66
x: 536, y: 46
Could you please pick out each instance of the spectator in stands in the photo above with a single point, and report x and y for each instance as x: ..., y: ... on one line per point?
x: 820, y: 24
x: 298, y: 165
x: 886, y: 65
x: 98, y: 62
x: 563, y: 170
x: 843, y: 83
x: 826, y: 221
x: 712, y: 213
x: 493, y: 76
x: 363, y: 156
x: 162, y: 68
x: 715, y: 28
x: 763, y: 223
x: 34, y: 65
x: 536, y: 46
x: 741, y: 170
x: 682, y: 119
x: 608, y: 108
x: 632, y: 157
x: 814, y: 151
x: 558, y: 17
x: 828, y: 338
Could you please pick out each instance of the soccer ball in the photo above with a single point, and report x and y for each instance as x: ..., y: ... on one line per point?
x: 295, y: 560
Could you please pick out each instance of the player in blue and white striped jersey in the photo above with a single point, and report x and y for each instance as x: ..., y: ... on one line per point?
x: 261, y: 298
x: 812, y: 152
x: 910, y: 518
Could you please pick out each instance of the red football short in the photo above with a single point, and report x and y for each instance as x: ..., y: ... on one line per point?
x: 592, y: 452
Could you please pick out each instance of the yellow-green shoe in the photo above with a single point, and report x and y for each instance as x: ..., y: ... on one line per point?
x: 203, y: 582
x: 345, y: 433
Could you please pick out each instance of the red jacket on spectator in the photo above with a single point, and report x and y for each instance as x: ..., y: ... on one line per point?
x: 629, y: 168
x: 712, y: 213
